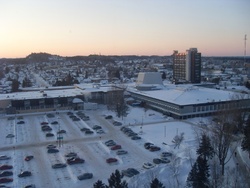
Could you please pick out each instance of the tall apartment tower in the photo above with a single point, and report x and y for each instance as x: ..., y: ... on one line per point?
x: 187, y: 66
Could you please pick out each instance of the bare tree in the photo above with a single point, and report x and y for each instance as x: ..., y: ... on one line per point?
x: 222, y: 138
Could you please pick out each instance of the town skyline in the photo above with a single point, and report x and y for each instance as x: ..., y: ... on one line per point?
x: 70, y: 28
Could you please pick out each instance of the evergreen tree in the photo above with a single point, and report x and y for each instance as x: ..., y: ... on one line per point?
x: 115, y: 180
x: 205, y: 148
x: 164, y: 76
x: 156, y: 184
x: 99, y: 184
x: 245, y: 144
x: 198, y: 177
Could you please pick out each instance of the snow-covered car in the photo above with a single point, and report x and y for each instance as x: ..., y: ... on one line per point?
x: 51, y: 146
x: 130, y: 172
x: 4, y: 157
x: 166, y: 154
x: 59, y: 165
x: 85, y: 176
x: 121, y: 152
x: 148, y: 165
x: 100, y: 131
x: 71, y: 154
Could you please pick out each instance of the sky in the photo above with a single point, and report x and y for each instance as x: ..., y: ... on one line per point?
x: 123, y: 27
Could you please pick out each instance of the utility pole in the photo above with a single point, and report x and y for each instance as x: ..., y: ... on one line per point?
x: 245, y: 47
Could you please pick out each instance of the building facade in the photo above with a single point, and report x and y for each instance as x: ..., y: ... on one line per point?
x: 187, y: 66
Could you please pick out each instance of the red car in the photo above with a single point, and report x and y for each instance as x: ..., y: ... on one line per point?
x: 75, y: 160
x: 6, y: 167
x: 154, y: 148
x: 116, y: 147
x: 28, y: 158
x: 111, y: 160
x: 6, y: 180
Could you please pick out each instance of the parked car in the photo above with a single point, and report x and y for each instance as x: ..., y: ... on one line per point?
x: 75, y: 160
x: 6, y: 173
x: 4, y: 157
x: 24, y: 174
x: 11, y: 118
x: 109, y: 141
x: 89, y: 132
x: 46, y: 128
x: 121, y: 152
x: 135, y: 138
x: 166, y: 154
x: 130, y: 172
x: 49, y: 135
x: 100, y: 131
x: 111, y: 160
x: 54, y: 123
x: 85, y: 129
x: 71, y: 154
x: 5, y: 167
x: 85, y: 176
x: 111, y: 144
x: 59, y: 165
x: 6, y: 180
x: 116, y: 123
x: 10, y: 136
x: 96, y: 127
x: 44, y: 123
x: 157, y: 161
x: 154, y: 148
x: 53, y: 150
x: 51, y: 146
x: 108, y: 117
x: 20, y: 122
x: 148, y: 165
x: 165, y: 160
x: 28, y: 158
x: 147, y: 145
x: 61, y: 132
x: 116, y: 147
x: 30, y: 186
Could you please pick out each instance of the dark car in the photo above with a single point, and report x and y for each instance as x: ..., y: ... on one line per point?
x: 20, y: 122
x: 96, y: 127
x: 6, y: 180
x: 44, y: 123
x: 75, y: 160
x: 61, y: 132
x: 85, y: 176
x: 50, y: 135
x: 130, y: 172
x: 157, y: 161
x: 28, y: 158
x: 6, y: 173
x: 154, y: 148
x: 59, y: 165
x: 24, y: 174
x: 46, y: 128
x: 109, y: 117
x: 5, y: 167
x: 30, y: 186
x: 53, y: 150
x: 54, y: 123
x: 85, y: 129
x: 89, y: 132
x: 135, y: 138
x: 147, y: 145
x: 116, y: 123
x: 111, y: 160
x: 116, y: 147
x: 51, y: 146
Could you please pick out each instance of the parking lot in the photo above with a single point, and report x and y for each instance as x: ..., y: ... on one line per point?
x: 29, y: 138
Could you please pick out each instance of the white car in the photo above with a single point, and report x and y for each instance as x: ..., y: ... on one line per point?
x: 148, y: 165
x: 4, y: 157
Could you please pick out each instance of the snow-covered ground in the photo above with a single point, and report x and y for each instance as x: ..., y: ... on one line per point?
x: 150, y: 125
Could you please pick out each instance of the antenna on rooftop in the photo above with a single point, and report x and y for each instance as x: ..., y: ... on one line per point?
x: 245, y: 42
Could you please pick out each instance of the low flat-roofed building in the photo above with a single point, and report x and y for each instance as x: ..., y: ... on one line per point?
x: 185, y: 101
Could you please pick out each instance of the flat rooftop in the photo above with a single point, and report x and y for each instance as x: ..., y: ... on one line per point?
x: 188, y: 95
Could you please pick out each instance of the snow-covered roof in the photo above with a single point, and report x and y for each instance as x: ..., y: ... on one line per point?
x: 187, y: 95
